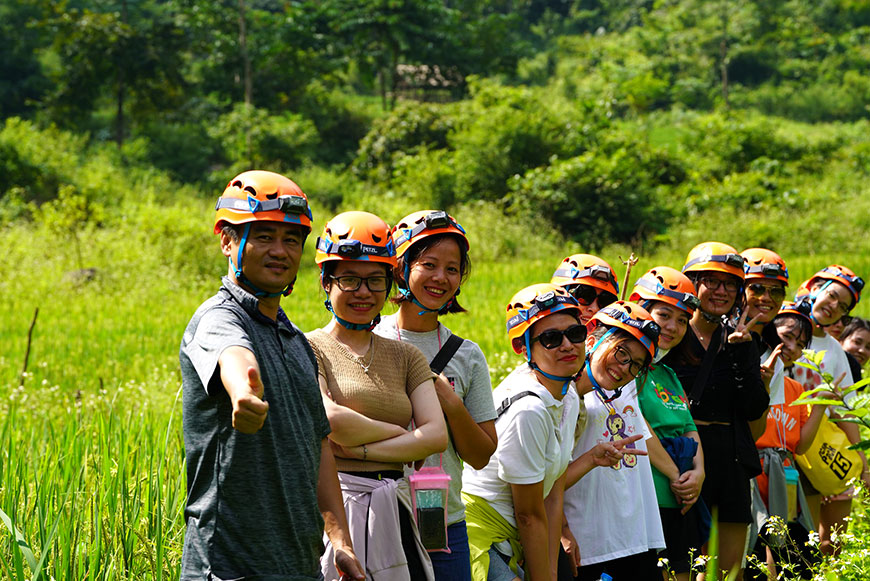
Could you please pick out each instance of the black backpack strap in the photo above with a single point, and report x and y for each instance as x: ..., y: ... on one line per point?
x: 706, y: 366
x: 508, y: 402
x: 442, y: 358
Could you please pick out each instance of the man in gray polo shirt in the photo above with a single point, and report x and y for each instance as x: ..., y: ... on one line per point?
x: 261, y: 480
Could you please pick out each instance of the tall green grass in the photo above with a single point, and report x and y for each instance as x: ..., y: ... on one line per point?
x: 91, y: 454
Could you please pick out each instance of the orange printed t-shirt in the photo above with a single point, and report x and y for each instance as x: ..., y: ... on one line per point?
x: 784, y: 422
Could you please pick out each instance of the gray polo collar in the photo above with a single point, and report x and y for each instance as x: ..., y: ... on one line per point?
x: 250, y: 304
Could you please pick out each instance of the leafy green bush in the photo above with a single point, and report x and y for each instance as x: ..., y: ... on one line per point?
x: 184, y: 150
x: 609, y: 194
x: 506, y: 131
x: 253, y: 138
x: 341, y: 121
x: 408, y: 128
x: 37, y: 161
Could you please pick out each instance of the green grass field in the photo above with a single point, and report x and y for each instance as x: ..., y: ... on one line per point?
x: 91, y: 451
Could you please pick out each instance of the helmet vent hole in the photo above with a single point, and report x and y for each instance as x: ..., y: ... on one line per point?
x: 237, y: 184
x: 343, y: 236
x: 271, y: 196
x: 376, y: 238
x: 251, y: 190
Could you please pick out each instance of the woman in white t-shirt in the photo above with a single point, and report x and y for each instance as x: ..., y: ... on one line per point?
x: 432, y: 252
x: 514, y: 504
x: 612, y: 515
x: 833, y: 292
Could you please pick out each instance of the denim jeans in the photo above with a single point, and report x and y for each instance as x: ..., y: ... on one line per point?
x: 498, y: 568
x: 455, y: 565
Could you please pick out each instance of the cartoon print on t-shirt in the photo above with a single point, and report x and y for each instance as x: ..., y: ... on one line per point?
x: 616, y: 427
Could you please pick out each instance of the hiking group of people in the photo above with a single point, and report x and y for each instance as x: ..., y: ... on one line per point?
x: 625, y: 423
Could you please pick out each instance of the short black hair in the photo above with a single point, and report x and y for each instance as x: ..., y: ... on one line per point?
x: 805, y: 326
x: 856, y: 324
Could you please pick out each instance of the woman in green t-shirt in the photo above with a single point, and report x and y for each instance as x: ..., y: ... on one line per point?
x: 669, y: 297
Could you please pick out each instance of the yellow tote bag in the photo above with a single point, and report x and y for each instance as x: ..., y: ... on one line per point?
x: 829, y: 464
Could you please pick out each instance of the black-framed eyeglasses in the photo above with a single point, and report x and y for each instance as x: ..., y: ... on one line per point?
x: 623, y: 357
x: 842, y: 307
x: 711, y: 282
x: 586, y: 295
x: 776, y: 293
x: 377, y: 283
x: 552, y: 338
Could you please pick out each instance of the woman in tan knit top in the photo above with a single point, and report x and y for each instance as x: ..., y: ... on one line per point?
x: 372, y: 390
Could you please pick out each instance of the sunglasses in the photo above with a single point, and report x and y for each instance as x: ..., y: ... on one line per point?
x: 552, y: 338
x: 586, y: 295
x: 777, y: 293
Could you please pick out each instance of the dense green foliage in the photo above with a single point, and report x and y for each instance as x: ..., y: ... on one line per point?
x: 552, y: 126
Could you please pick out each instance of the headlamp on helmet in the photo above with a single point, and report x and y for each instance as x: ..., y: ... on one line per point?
x: 595, y: 271
x: 439, y: 221
x: 731, y: 259
x: 354, y: 249
x: 650, y: 329
x: 853, y: 279
x: 659, y: 290
x: 541, y: 303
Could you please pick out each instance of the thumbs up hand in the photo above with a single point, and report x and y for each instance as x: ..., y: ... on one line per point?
x: 249, y: 409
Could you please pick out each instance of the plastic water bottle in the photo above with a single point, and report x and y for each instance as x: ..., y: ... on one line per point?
x: 791, y: 483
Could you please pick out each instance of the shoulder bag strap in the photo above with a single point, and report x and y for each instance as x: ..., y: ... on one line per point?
x: 442, y: 358
x: 508, y: 402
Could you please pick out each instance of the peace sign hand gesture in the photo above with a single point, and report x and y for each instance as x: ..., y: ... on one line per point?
x: 767, y: 368
x: 743, y: 332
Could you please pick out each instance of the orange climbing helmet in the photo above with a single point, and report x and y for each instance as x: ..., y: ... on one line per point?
x: 255, y: 196
x: 801, y: 308
x: 534, y: 303
x: 764, y: 264
x: 667, y: 285
x: 714, y: 256
x: 356, y: 236
x: 586, y: 269
x: 842, y: 275
x: 631, y: 318
x: 419, y: 225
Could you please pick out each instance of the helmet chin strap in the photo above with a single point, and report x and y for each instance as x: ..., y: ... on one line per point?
x: 588, y: 368
x: 347, y: 324
x: 567, y: 379
x: 240, y: 276
x: 815, y: 295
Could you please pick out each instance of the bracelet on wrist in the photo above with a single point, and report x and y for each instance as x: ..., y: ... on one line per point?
x: 365, y: 452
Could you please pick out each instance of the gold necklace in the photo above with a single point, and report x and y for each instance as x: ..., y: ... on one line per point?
x: 372, y: 358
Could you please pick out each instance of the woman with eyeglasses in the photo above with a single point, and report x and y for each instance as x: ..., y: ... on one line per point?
x: 373, y: 388
x: 432, y: 252
x: 677, y: 456
x: 717, y: 364
x: 612, y: 514
x: 832, y: 293
x: 514, y: 503
x: 590, y: 280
